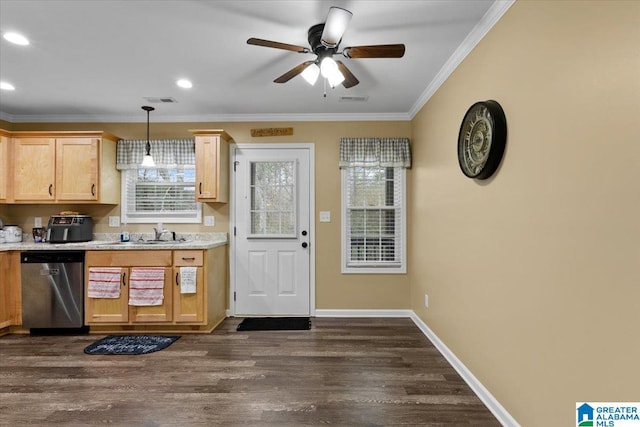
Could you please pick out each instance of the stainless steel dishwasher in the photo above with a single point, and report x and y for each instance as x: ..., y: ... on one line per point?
x: 53, y: 290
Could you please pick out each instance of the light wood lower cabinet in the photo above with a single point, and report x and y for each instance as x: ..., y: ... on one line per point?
x: 199, y: 311
x: 188, y: 308
x: 10, y: 294
x: 117, y: 310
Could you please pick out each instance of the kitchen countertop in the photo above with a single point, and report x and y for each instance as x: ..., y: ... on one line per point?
x: 109, y: 241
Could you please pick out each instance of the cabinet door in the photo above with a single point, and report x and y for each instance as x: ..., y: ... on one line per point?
x: 34, y: 169
x: 4, y: 166
x: 188, y: 308
x: 109, y: 310
x: 4, y: 290
x: 156, y: 313
x: 207, y: 167
x: 77, y: 169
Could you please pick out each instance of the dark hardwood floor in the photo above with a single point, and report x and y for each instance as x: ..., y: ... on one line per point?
x: 343, y: 372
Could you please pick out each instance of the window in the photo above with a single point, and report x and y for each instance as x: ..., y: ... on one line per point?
x: 373, y: 218
x: 273, y: 199
x: 160, y: 195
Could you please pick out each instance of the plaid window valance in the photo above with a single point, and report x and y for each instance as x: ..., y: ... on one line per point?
x: 386, y: 152
x: 167, y: 153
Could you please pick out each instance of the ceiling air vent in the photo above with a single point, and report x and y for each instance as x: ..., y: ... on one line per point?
x: 160, y: 100
x: 354, y: 98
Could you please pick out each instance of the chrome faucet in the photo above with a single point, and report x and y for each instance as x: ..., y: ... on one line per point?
x: 159, y: 232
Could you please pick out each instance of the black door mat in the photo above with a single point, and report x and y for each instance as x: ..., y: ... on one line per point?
x: 274, y: 324
x: 130, y: 344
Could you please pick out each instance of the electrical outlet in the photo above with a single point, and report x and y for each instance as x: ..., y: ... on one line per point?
x: 37, y: 222
x: 114, y: 221
x: 209, y: 220
x: 426, y: 300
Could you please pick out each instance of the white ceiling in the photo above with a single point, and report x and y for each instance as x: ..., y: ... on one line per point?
x: 96, y: 60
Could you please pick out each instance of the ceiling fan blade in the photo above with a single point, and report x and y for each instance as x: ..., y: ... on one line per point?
x: 335, y: 26
x: 349, y: 79
x: 293, y: 72
x: 278, y: 45
x: 375, y: 51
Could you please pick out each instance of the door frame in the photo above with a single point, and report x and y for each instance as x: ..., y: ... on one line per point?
x: 312, y: 220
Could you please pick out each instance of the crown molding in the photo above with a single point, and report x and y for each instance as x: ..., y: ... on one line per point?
x: 333, y: 117
x: 490, y: 18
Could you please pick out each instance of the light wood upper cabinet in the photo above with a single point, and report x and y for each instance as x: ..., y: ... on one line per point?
x: 212, y: 165
x: 77, y: 175
x: 34, y: 169
x: 62, y: 167
x: 4, y: 165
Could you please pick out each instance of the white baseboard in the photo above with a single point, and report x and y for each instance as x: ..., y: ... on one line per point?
x: 481, y: 391
x: 364, y: 313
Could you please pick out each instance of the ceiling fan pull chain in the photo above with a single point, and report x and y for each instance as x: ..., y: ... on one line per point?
x: 325, y: 87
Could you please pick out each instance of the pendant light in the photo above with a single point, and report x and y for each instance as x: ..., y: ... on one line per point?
x: 147, y: 161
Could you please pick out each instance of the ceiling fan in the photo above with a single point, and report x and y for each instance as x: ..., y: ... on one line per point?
x: 324, y: 40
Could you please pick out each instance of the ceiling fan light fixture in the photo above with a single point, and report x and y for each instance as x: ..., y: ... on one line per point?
x: 311, y: 74
x: 147, y: 160
x: 335, y: 79
x: 328, y: 67
x: 335, y: 26
x: 331, y: 72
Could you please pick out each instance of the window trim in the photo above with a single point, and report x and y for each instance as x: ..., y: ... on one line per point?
x: 156, y: 217
x: 374, y: 269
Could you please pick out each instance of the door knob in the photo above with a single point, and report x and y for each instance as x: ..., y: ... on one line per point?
x: 305, y: 244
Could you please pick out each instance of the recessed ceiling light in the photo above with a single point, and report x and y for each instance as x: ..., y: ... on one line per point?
x: 16, y: 38
x: 6, y: 86
x: 184, y: 83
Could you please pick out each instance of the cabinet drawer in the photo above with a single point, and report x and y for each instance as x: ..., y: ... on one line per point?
x: 128, y: 258
x: 186, y: 258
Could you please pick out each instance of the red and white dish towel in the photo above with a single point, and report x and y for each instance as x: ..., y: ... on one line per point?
x: 104, y: 282
x: 146, y: 286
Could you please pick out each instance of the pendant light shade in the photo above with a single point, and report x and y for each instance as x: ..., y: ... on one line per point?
x: 147, y: 160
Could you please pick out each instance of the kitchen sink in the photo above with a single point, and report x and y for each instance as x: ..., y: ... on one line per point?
x: 147, y: 242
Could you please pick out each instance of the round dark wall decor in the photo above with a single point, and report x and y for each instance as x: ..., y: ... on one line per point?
x: 482, y: 138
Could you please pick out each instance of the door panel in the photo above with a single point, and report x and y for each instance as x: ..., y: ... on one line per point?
x: 272, y: 217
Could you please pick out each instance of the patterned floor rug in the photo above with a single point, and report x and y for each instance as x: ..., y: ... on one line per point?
x: 130, y: 344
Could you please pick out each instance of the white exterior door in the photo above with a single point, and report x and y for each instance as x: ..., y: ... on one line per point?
x: 272, y: 231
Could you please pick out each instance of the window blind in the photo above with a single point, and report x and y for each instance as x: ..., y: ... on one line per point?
x: 160, y: 194
x: 374, y: 216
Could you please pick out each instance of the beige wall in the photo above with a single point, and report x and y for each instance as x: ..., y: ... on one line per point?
x: 533, y: 277
x: 333, y: 290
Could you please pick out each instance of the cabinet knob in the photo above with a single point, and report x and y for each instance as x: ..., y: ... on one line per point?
x: 51, y: 189
x: 93, y: 189
x: 177, y: 281
x: 124, y: 275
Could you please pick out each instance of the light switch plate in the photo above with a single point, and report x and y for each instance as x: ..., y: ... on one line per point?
x: 114, y: 221
x: 209, y: 220
x: 37, y: 222
x: 325, y: 216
